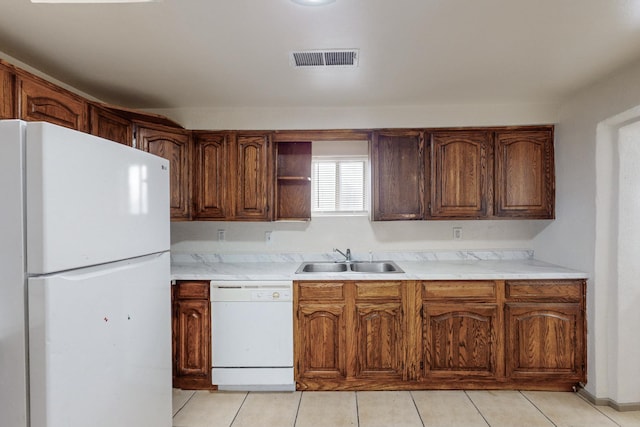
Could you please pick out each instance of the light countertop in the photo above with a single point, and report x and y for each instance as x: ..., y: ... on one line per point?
x: 470, y: 265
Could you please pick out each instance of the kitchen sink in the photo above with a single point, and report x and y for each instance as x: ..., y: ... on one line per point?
x: 323, y: 267
x: 349, y: 267
x: 376, y: 267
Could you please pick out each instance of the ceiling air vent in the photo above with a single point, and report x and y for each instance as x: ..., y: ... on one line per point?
x: 344, y: 58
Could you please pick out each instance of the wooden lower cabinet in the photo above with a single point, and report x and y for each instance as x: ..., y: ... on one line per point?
x: 191, y: 330
x: 460, y: 341
x: 545, y: 331
x: 379, y: 330
x: 321, y: 336
x: 386, y: 335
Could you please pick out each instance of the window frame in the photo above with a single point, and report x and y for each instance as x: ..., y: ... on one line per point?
x: 364, y: 158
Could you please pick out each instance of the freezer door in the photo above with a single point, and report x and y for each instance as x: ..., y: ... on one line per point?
x: 100, y: 346
x: 91, y: 201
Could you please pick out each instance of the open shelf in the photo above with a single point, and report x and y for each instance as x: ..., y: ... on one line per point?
x: 293, y: 189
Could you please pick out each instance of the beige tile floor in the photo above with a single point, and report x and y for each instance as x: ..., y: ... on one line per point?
x: 393, y: 409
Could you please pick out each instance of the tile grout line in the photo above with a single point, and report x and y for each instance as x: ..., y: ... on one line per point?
x: 415, y: 405
x: 357, y: 409
x: 535, y: 406
x: 594, y: 406
x: 295, y: 420
x: 476, y: 406
x: 183, y: 405
x: 239, y: 409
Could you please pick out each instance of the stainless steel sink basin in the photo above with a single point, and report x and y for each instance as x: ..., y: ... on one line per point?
x: 349, y: 267
x: 376, y: 267
x: 323, y: 267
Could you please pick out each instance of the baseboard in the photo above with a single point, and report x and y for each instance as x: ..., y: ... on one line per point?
x: 598, y: 401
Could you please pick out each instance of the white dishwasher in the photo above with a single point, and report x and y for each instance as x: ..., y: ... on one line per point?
x: 252, y: 335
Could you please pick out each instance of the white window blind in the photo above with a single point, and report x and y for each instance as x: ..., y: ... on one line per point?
x: 338, y: 185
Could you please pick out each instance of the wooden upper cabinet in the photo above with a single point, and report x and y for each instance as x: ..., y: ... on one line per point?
x: 293, y: 181
x: 106, y: 124
x: 232, y: 176
x: 173, y: 145
x: 40, y: 100
x: 524, y: 174
x: 7, y: 93
x: 459, y: 174
x: 398, y: 175
x: 211, y: 169
x: 253, y: 177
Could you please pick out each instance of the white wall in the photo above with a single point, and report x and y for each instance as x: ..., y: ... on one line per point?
x: 362, y: 117
x: 584, y: 235
x: 627, y: 296
x: 357, y: 233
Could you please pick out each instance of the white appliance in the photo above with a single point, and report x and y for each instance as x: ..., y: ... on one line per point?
x: 85, y: 326
x: 252, y: 335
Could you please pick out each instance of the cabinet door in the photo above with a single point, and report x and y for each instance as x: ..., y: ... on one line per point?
x: 459, y: 174
x: 43, y: 101
x: 460, y: 340
x: 253, y: 179
x: 320, y: 344
x: 105, y: 124
x: 192, y: 330
x: 172, y: 145
x: 524, y: 175
x: 398, y: 175
x: 379, y: 341
x: 211, y: 170
x: 7, y: 97
x: 545, y: 341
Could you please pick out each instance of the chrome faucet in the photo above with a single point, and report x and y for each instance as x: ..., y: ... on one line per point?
x: 347, y: 255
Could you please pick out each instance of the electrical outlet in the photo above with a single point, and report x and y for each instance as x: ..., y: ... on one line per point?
x: 267, y: 237
x: 457, y: 233
x: 221, y: 235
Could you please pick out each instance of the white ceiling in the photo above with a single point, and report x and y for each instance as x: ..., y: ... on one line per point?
x: 234, y: 53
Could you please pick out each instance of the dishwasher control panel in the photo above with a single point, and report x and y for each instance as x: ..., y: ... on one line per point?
x: 271, y: 295
x: 252, y: 291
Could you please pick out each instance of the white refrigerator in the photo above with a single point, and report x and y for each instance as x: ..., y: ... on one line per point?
x: 85, y: 316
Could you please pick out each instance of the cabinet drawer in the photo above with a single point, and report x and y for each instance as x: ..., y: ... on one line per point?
x: 321, y: 290
x: 197, y: 289
x: 472, y: 289
x: 557, y: 290
x: 378, y: 290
